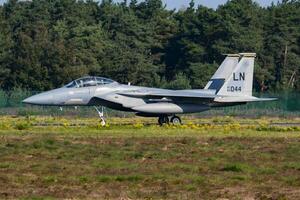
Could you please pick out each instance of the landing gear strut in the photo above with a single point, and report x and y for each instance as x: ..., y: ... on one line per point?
x: 163, y: 120
x: 175, y: 120
x: 101, y: 115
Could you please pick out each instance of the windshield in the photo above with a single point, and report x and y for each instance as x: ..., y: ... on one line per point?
x: 71, y: 85
x: 89, y: 82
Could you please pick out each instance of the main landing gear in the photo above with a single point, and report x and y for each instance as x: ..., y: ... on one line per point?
x: 101, y: 115
x: 175, y: 120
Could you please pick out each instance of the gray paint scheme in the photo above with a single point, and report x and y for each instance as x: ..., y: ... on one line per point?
x: 152, y: 102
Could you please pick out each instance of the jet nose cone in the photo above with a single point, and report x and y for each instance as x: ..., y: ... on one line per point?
x: 40, y: 99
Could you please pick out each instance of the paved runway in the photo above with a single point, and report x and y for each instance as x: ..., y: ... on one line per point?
x: 219, y: 123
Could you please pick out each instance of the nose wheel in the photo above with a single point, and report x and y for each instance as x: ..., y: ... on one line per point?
x: 175, y: 120
x: 101, y: 115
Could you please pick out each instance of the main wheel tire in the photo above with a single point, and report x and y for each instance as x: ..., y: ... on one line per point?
x: 176, y: 120
x: 163, y: 120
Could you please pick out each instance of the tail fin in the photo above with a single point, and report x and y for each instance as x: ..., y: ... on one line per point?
x: 240, y: 81
x: 223, y: 73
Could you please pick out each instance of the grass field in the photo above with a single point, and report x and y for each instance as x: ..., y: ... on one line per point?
x: 44, y: 157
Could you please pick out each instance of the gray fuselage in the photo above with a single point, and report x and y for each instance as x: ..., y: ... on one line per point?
x: 114, y: 96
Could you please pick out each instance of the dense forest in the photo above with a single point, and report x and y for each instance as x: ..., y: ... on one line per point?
x: 47, y: 43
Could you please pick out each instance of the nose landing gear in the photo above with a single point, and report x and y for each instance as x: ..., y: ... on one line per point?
x: 175, y: 120
x: 101, y: 115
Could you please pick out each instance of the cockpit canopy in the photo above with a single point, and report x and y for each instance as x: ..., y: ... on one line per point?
x: 89, y: 82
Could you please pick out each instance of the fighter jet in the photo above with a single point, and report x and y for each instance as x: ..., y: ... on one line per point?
x: 231, y: 85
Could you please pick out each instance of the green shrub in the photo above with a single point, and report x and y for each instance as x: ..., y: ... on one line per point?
x: 233, y: 168
x: 22, y: 126
x: 50, y: 179
x: 4, y: 165
x: 103, y: 179
x: 83, y: 179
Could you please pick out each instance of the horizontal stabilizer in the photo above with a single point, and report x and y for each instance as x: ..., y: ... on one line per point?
x: 242, y: 99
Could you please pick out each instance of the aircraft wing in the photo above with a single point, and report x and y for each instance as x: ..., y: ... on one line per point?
x: 168, y: 94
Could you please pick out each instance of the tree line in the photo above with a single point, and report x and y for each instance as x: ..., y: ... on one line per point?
x: 47, y: 43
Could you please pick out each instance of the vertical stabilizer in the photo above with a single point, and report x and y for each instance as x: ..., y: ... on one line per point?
x: 240, y: 81
x: 224, y: 71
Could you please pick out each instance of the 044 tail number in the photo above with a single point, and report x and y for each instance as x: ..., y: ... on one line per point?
x: 234, y: 89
